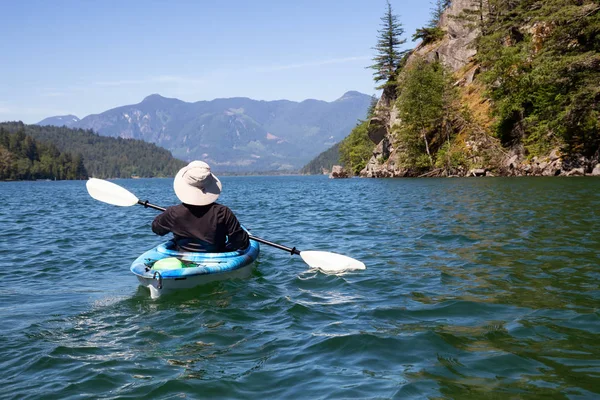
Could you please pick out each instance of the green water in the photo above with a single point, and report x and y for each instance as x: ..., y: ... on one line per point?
x: 474, y: 288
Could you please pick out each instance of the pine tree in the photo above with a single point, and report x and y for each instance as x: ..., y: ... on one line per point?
x: 423, y: 108
x: 432, y: 32
x: 437, y: 9
x: 372, y: 107
x: 389, y: 56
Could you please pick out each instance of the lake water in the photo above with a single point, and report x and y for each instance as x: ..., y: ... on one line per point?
x: 474, y: 288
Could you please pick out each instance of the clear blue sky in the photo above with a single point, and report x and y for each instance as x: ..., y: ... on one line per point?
x: 85, y: 57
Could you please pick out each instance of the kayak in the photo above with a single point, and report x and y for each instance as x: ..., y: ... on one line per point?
x: 164, y: 269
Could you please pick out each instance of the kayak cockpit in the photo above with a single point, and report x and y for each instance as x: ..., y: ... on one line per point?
x: 165, y: 268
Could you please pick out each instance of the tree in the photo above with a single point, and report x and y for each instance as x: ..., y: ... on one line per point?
x: 78, y: 167
x: 543, y: 82
x: 4, y: 141
x: 389, y: 56
x: 6, y: 163
x: 372, y: 107
x: 356, y: 149
x: 423, y: 103
x: 432, y: 32
x: 29, y: 148
x: 439, y: 6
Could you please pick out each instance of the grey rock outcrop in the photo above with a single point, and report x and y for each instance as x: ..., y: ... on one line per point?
x: 376, y: 130
x: 477, y: 172
x: 576, y: 172
x: 551, y: 165
x: 456, y: 49
x: 338, y: 172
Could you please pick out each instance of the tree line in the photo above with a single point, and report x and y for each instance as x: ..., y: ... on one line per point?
x: 100, y: 156
x: 24, y: 158
x: 541, y: 64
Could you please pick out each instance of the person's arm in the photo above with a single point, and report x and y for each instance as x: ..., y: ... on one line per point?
x: 237, y: 237
x: 163, y: 223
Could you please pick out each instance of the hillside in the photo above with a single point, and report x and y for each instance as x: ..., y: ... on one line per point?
x: 235, y: 134
x: 24, y: 158
x: 324, y: 162
x: 103, y: 157
x: 494, y: 88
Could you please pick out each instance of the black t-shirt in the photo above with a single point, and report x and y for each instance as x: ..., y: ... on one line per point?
x: 212, y: 226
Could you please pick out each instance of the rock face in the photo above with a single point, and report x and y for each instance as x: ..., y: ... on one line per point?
x: 551, y: 165
x: 338, y: 172
x: 484, y: 152
x: 377, y: 130
x: 456, y: 51
x: 477, y: 172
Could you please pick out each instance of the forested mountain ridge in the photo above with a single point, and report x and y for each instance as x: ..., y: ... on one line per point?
x: 24, y: 158
x: 494, y: 88
x: 102, y: 157
x: 235, y: 134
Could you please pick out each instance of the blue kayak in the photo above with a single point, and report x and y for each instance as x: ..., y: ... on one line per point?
x: 163, y: 268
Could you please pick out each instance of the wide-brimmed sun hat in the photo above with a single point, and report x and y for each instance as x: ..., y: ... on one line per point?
x: 194, y: 184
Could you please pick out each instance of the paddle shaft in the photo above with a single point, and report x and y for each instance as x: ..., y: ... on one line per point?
x: 292, y: 250
x: 148, y: 205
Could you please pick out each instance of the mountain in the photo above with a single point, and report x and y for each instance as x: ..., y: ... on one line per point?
x: 235, y: 134
x: 63, y: 120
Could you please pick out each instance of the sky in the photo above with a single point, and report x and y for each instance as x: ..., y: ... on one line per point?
x: 86, y: 57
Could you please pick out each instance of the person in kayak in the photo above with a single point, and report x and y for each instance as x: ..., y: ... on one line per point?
x: 199, y: 223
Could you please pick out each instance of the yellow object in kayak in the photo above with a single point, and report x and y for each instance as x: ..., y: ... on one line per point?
x: 168, y: 263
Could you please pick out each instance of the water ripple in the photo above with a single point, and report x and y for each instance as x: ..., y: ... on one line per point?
x: 474, y: 288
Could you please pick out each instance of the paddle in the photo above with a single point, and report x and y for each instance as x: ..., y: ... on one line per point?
x: 114, y: 194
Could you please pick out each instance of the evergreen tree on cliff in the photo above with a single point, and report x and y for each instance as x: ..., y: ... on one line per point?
x: 432, y: 32
x: 389, y: 56
x: 438, y: 8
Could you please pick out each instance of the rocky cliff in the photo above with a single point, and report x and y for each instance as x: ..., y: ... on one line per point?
x: 485, y: 155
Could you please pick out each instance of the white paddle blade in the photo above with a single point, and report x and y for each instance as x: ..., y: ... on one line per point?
x: 110, y: 193
x: 331, y: 262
